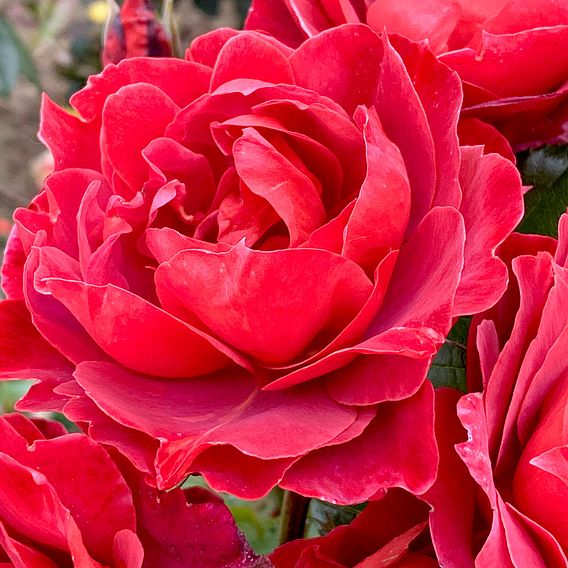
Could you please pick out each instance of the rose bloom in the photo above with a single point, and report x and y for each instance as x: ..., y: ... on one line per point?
x: 518, y: 437
x: 64, y: 502
x: 512, y: 55
x: 243, y: 265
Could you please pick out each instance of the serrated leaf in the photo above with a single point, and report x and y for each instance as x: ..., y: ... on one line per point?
x: 546, y: 169
x: 15, y: 59
x: 448, y: 367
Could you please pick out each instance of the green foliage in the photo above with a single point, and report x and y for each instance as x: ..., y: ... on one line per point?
x: 11, y: 392
x: 15, y: 59
x: 448, y: 367
x: 546, y: 169
x: 323, y: 517
x: 259, y: 519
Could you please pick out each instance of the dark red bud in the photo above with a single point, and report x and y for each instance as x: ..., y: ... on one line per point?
x: 135, y: 32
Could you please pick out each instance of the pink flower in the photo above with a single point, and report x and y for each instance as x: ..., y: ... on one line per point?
x: 65, y: 502
x: 245, y: 262
x: 510, y: 54
x: 517, y: 450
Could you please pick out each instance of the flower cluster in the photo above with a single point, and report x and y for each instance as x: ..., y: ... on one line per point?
x: 246, y: 262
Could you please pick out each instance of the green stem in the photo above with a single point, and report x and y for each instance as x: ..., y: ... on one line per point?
x: 293, y: 516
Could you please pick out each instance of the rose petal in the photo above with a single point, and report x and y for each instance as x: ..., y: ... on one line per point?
x: 24, y: 354
x: 113, y: 509
x: 335, y: 61
x: 472, y: 132
x: 133, y: 117
x: 241, y: 281
x: 182, y: 81
x: 492, y: 207
x: 274, y: 18
x: 20, y: 555
x: 372, y: 231
x: 409, y: 131
x: 58, y: 128
x: 389, y: 453
x: 249, y: 56
x: 290, y: 192
x: 511, y: 65
x: 434, y: 20
x: 138, y: 334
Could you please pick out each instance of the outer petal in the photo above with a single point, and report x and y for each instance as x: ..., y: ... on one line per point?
x: 190, y: 416
x: 452, y: 496
x: 31, y: 507
x: 24, y: 354
x: 410, y: 130
x: 193, y: 528
x: 534, y: 276
x: 475, y: 132
x: 388, y: 453
x: 110, y: 512
x: 13, y: 262
x: 58, y: 128
x: 511, y: 65
x: 379, y: 536
x: 138, y: 334
x: 513, y: 540
x: 249, y: 56
x: 434, y: 20
x: 434, y: 82
x: 182, y: 81
x: 492, y: 206
x: 525, y: 121
x: 274, y: 17
x: 205, y: 49
x: 21, y: 555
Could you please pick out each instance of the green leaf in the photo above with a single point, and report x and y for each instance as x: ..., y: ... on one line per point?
x: 259, y: 519
x: 15, y: 59
x: 448, y: 367
x: 546, y: 169
x: 323, y: 517
x: 11, y: 392
x: 9, y: 59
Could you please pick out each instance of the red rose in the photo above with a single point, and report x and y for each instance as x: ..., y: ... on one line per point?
x: 250, y: 278
x: 64, y: 502
x: 512, y: 55
x: 518, y: 436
